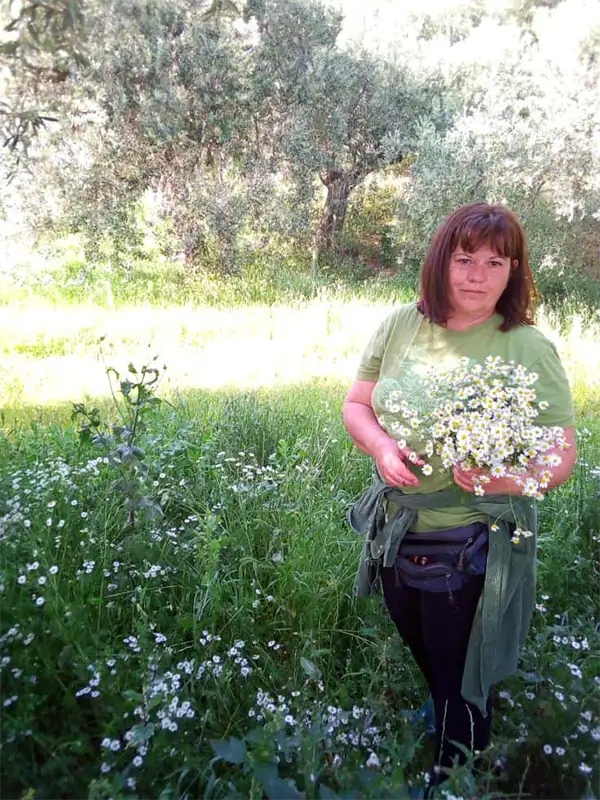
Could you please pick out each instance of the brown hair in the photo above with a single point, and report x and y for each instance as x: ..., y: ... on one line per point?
x: 469, y: 227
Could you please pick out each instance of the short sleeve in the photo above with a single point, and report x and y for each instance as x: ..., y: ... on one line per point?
x: 552, y: 386
x: 370, y: 362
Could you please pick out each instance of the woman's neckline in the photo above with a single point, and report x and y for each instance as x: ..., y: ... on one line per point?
x: 494, y: 318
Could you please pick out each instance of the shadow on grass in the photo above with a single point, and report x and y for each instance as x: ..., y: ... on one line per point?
x: 298, y: 428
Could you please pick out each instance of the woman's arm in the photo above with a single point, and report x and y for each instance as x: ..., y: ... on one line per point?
x: 367, y: 434
x: 558, y: 474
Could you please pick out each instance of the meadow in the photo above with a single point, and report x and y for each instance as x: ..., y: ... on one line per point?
x: 177, y: 613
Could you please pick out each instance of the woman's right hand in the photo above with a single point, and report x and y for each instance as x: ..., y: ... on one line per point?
x: 366, y: 432
x: 392, y: 463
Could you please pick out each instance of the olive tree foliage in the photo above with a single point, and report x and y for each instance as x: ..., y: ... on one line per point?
x: 158, y: 108
x: 41, y: 43
x: 528, y: 135
x: 335, y: 114
x: 230, y: 122
x: 248, y: 123
x: 168, y: 79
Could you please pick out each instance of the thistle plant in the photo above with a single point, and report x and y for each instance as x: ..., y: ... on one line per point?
x: 133, y: 398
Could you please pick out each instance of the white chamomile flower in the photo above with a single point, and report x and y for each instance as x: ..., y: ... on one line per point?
x: 481, y: 414
x: 530, y: 487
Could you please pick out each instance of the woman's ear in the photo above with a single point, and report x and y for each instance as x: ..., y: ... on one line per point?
x: 514, y: 265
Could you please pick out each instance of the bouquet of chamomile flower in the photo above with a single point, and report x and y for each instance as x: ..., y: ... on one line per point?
x: 480, y: 416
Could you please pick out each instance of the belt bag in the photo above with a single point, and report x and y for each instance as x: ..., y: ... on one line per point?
x: 451, y: 554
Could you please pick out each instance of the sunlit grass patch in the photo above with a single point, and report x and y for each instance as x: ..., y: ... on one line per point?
x: 51, y: 355
x: 578, y: 344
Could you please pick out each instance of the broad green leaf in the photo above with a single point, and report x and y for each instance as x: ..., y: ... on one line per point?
x: 231, y: 750
x: 142, y: 733
x: 276, y: 788
x: 310, y: 669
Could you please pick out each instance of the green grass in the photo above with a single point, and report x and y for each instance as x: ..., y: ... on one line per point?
x: 58, y: 274
x: 61, y: 277
x: 254, y: 473
x: 253, y: 547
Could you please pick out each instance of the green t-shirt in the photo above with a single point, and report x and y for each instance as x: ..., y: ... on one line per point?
x: 406, y: 345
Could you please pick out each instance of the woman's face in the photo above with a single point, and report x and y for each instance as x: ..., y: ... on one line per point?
x: 477, y: 281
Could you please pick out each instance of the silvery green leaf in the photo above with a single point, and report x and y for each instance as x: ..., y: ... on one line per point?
x: 310, y: 669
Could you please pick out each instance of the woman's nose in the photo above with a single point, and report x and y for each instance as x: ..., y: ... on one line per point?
x: 477, y: 272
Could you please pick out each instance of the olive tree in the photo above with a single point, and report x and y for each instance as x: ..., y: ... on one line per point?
x: 528, y: 135
x: 335, y: 114
x: 207, y: 110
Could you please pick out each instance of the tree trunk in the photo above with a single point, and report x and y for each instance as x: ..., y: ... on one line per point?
x: 339, y: 185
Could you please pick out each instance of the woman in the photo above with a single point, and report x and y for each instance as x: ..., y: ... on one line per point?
x: 460, y: 596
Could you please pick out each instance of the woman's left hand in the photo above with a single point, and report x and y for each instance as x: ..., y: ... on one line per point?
x: 467, y: 479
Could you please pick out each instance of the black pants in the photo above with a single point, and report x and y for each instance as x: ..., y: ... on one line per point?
x: 436, y: 626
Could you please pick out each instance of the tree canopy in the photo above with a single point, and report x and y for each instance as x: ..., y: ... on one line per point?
x: 266, y: 116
